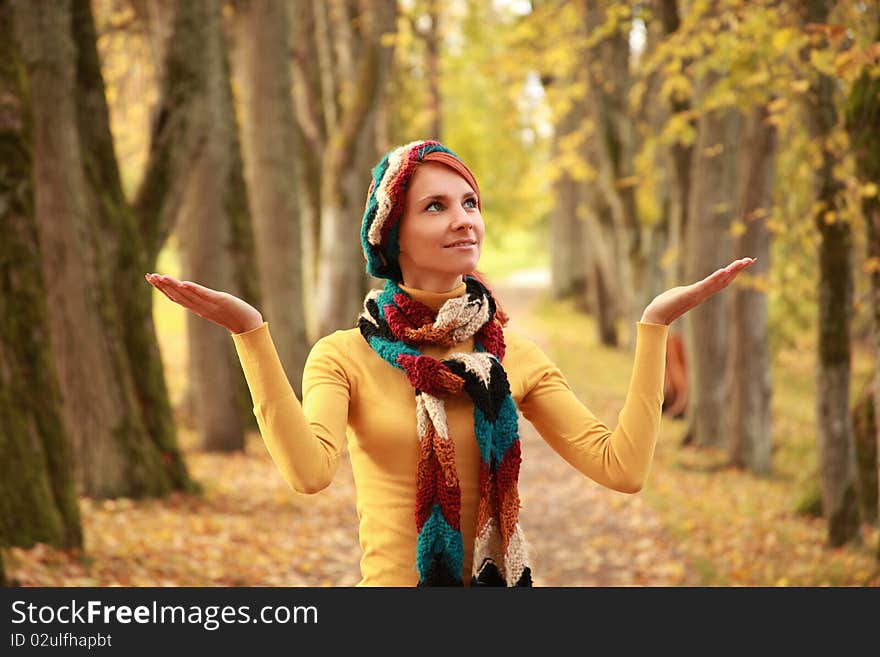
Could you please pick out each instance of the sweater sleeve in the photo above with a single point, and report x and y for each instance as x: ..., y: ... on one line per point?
x: 304, y: 440
x: 618, y: 459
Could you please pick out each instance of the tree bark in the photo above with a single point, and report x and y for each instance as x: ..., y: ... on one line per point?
x: 837, y: 469
x: 681, y: 156
x: 603, y: 284
x: 863, y: 125
x: 124, y: 247
x: 271, y: 148
x: 566, y: 252
x: 341, y: 263
x: 208, y: 256
x: 311, y: 130
x: 177, y: 136
x: 708, y: 246
x: 38, y: 501
x: 751, y: 386
x: 114, y: 453
x: 610, y: 81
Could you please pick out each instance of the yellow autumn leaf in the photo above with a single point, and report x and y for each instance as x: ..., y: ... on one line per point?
x: 757, y: 79
x: 868, y: 190
x: 777, y: 105
x: 677, y: 87
x: 823, y: 61
x: 782, y: 38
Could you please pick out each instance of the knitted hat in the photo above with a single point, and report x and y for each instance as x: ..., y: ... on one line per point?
x: 386, y: 200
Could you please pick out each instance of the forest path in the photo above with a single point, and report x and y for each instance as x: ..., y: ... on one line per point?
x: 583, y: 534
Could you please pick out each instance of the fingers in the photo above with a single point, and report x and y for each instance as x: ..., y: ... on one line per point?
x: 726, y: 274
x: 720, y: 278
x: 175, y: 290
x: 738, y: 265
x: 162, y: 284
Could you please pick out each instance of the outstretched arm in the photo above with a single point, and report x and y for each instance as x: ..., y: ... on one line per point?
x: 620, y: 458
x: 305, y: 440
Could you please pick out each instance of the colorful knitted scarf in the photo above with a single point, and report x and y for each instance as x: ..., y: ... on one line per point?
x: 396, y: 326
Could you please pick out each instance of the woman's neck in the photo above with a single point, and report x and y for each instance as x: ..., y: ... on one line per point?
x: 434, y: 300
x: 438, y: 284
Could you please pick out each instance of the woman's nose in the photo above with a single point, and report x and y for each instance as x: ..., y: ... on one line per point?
x: 462, y: 220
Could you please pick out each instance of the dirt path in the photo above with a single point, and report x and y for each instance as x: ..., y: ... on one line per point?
x: 583, y: 534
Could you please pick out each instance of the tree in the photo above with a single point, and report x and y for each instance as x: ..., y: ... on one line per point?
x: 214, y: 205
x: 680, y: 151
x: 608, y: 64
x: 114, y: 453
x: 38, y: 502
x: 833, y: 421
x: 863, y: 126
x: 751, y: 387
x: 341, y: 56
x: 707, y: 244
x: 124, y: 244
x: 273, y: 148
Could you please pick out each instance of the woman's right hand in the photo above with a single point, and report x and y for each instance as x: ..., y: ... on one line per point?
x: 222, y: 308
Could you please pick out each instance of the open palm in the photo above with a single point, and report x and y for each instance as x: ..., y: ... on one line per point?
x: 675, y: 302
x: 222, y: 308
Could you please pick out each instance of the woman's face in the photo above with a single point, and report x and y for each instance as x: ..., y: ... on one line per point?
x: 441, y: 231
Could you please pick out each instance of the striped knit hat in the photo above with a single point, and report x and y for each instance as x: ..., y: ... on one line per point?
x: 386, y: 200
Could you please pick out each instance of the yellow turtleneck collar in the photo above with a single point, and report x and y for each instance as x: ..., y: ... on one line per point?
x: 433, y: 299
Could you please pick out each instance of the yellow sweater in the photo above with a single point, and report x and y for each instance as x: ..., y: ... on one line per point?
x: 351, y: 397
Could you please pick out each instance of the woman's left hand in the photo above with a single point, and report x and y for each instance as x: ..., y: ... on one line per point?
x: 675, y: 302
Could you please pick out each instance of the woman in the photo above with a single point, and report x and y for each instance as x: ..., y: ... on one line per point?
x: 429, y: 385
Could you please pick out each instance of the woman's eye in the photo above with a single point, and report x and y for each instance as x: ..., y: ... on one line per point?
x: 470, y: 203
x: 434, y: 205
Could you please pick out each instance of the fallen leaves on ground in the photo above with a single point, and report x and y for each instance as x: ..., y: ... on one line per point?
x: 247, y: 528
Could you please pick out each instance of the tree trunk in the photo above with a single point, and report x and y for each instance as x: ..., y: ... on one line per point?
x: 205, y: 230
x: 610, y: 81
x: 310, y: 126
x: 751, y: 387
x: 681, y: 156
x: 124, y: 247
x: 837, y: 469
x: 708, y: 247
x: 865, y: 438
x: 177, y: 136
x: 38, y: 501
x: 566, y: 248
x: 341, y: 263
x: 271, y: 148
x: 598, y: 249
x: 863, y: 125
x: 114, y: 453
